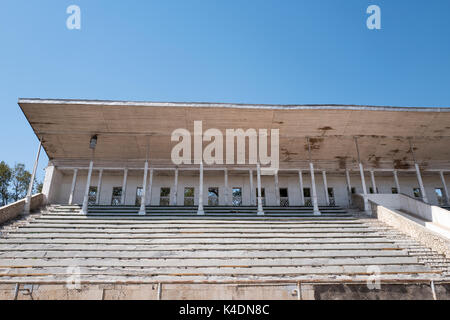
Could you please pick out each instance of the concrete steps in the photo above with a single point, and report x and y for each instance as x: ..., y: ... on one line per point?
x: 209, y: 211
x: 127, y: 248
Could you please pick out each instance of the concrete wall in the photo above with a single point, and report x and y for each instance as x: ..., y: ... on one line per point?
x: 412, y: 228
x: 255, y: 291
x: 15, y: 209
x: 415, y: 207
x: 61, y: 183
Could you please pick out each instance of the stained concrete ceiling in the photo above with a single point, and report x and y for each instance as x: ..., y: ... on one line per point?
x: 125, y: 128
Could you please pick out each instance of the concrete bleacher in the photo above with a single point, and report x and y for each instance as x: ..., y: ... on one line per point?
x: 215, y: 210
x: 172, y: 245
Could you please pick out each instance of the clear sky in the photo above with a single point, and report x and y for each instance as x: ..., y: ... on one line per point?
x: 272, y: 52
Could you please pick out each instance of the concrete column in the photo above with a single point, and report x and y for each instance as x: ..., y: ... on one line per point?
x: 374, y: 184
x: 226, y: 193
x: 363, y: 182
x: 200, y: 210
x: 277, y: 189
x: 258, y: 180
x: 300, y: 183
x: 144, y: 190
x: 419, y: 176
x: 84, y: 208
x: 349, y: 187
x: 175, y: 188
x: 325, y: 186
x: 124, y: 186
x: 99, y: 186
x: 363, y: 179
x: 397, y: 184
x: 422, y: 188
x: 150, y: 185
x: 447, y: 200
x: 72, y: 188
x: 314, y: 192
x: 252, y: 189
x: 33, y: 176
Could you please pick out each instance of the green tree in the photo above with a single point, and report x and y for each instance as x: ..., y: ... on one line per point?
x: 19, y: 182
x: 38, y: 187
x: 5, y: 180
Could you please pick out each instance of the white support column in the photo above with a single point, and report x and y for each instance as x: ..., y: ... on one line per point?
x: 363, y: 182
x: 397, y: 184
x: 300, y: 183
x: 252, y: 189
x: 72, y: 188
x: 325, y: 186
x: 144, y: 190
x: 277, y: 189
x: 258, y: 181
x: 150, y: 185
x: 349, y: 187
x: 99, y: 186
x: 314, y: 191
x: 447, y: 200
x: 200, y: 210
x: 422, y: 187
x: 175, y: 188
x: 363, y: 179
x: 84, y: 208
x: 226, y: 194
x: 419, y: 176
x: 313, y: 182
x: 124, y: 187
x: 374, y: 184
x: 30, y: 186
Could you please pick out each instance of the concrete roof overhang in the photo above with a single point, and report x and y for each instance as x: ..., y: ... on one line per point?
x: 125, y: 128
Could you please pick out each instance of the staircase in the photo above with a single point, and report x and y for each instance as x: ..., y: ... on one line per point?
x: 222, y: 211
x: 228, y: 245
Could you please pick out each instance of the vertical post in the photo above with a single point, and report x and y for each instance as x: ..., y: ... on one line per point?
x: 124, y: 186
x: 363, y: 179
x: 33, y: 176
x: 422, y: 187
x: 175, y: 188
x: 313, y: 183
x: 258, y: 181
x: 150, y: 185
x: 325, y: 186
x: 84, y: 208
x: 314, y: 192
x: 200, y: 210
x: 447, y: 200
x: 72, y: 188
x: 397, y: 184
x: 419, y: 176
x: 99, y: 186
x: 300, y: 182
x: 277, y: 189
x: 349, y: 187
x: 374, y: 184
x: 227, y: 195
x: 252, y: 189
x: 144, y: 190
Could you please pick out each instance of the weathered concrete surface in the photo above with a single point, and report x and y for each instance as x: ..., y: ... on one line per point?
x: 401, y: 222
x: 418, y: 291
x: 13, y: 210
x: 288, y: 291
x: 124, y: 128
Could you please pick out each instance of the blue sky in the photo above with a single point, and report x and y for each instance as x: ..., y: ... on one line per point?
x: 281, y: 52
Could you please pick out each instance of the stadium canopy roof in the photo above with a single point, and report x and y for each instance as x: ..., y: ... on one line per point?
x: 124, y: 128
